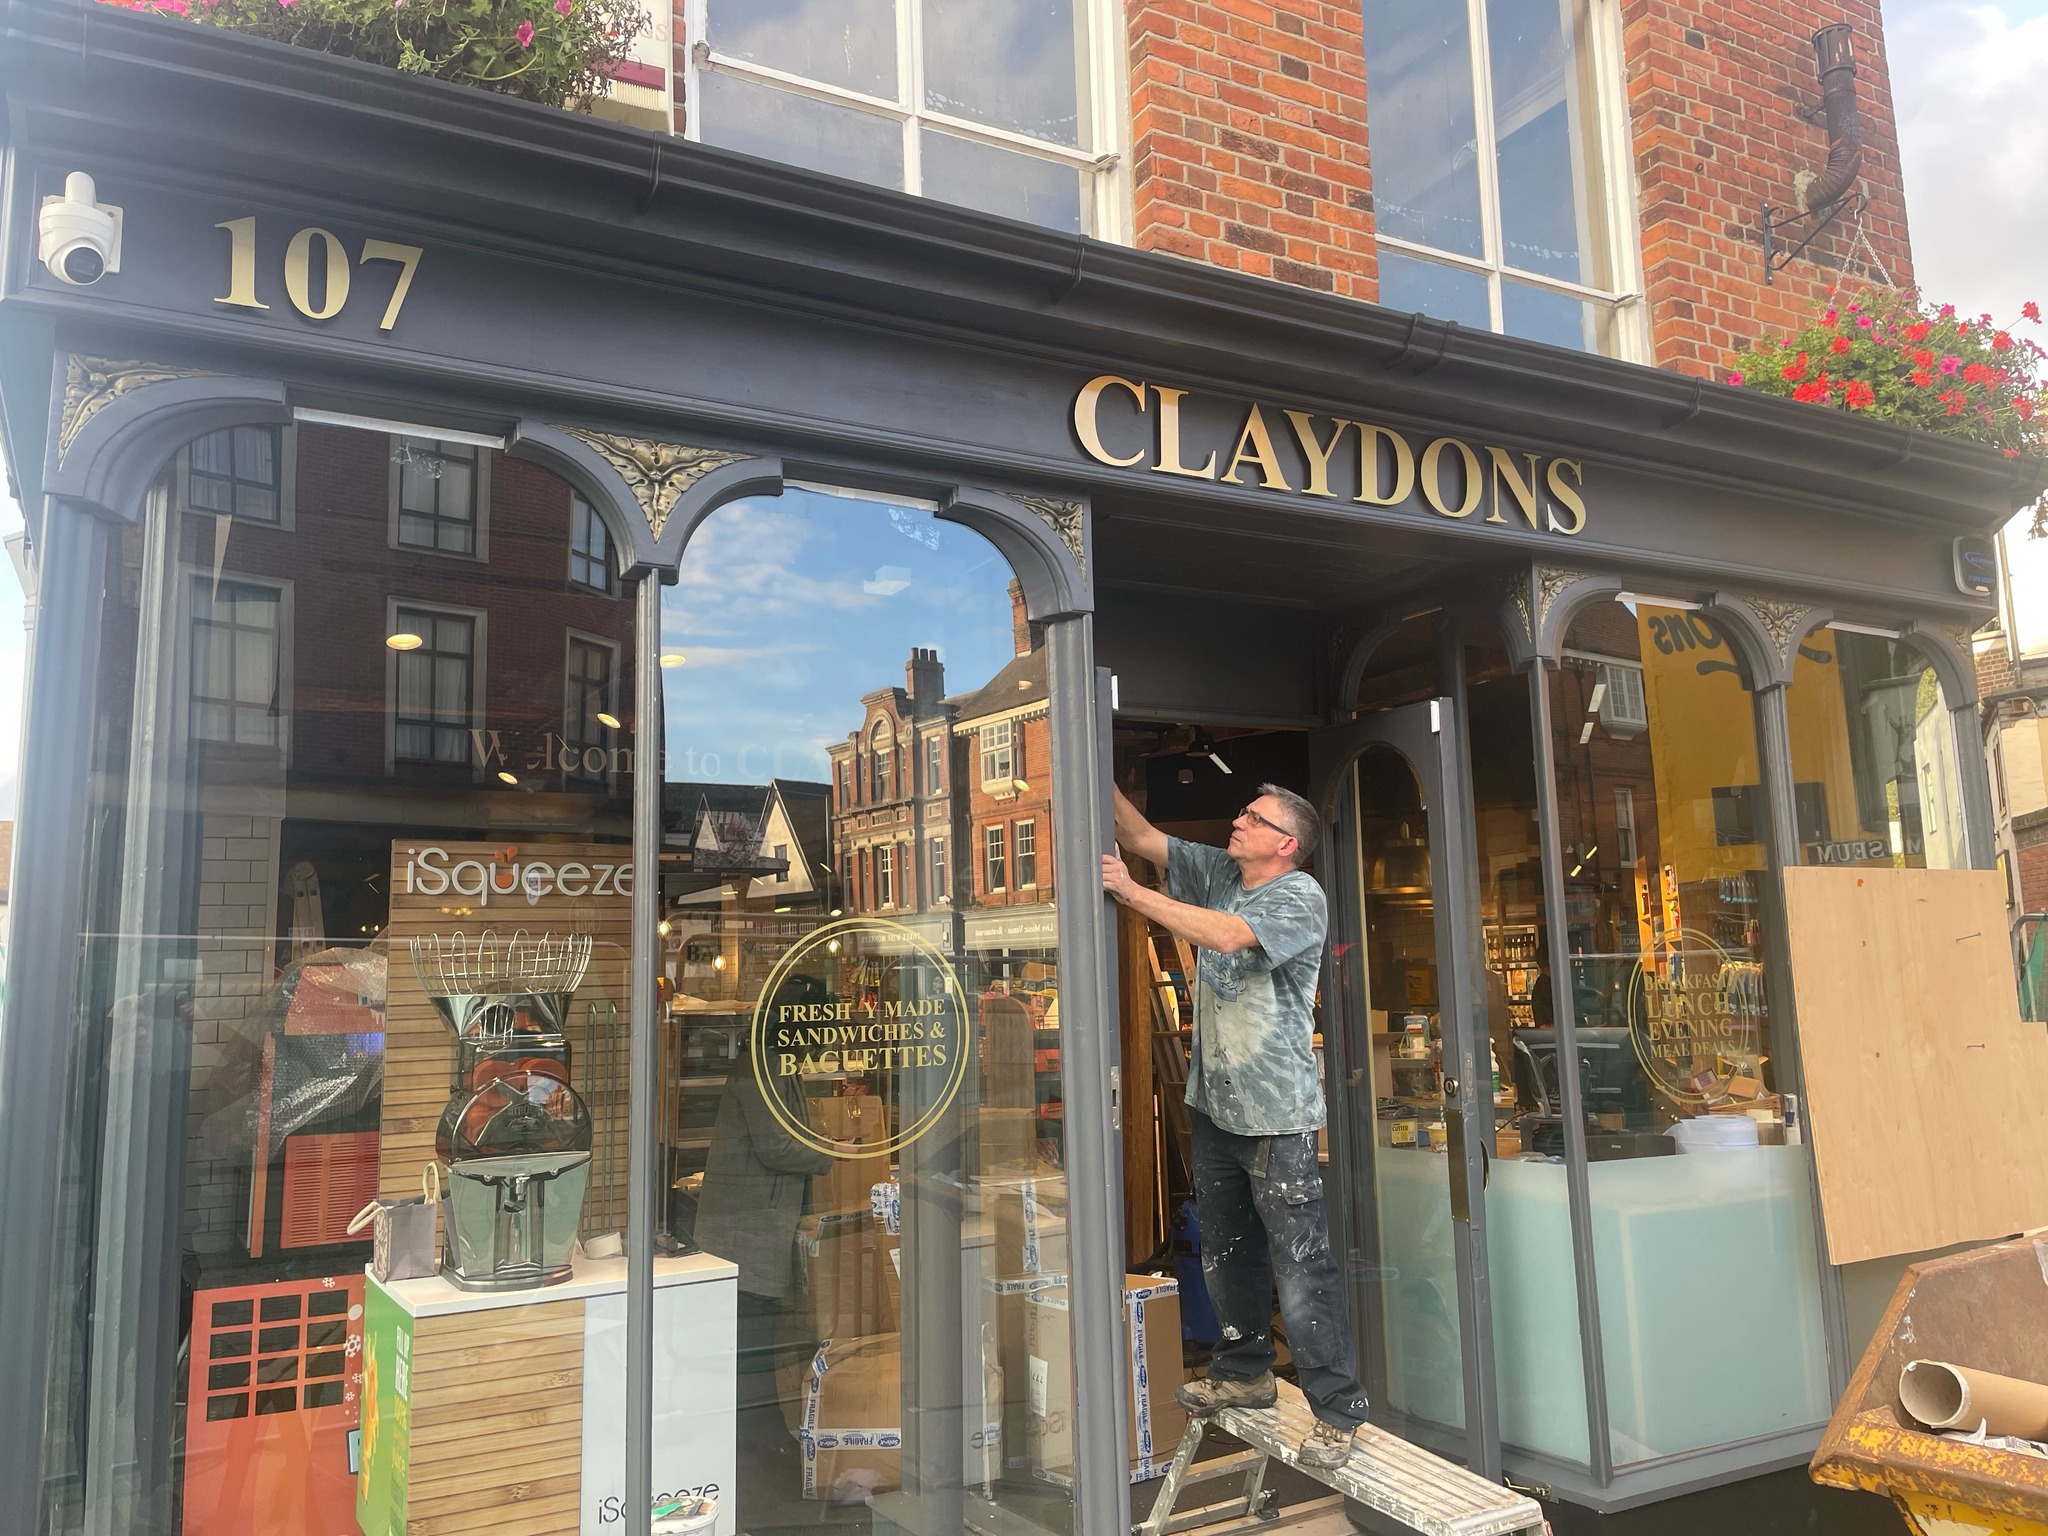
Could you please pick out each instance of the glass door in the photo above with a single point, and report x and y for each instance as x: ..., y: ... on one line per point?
x: 1405, y: 1040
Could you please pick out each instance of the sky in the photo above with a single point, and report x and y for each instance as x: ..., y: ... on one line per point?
x: 1967, y: 78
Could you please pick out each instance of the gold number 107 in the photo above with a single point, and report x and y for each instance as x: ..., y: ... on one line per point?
x: 298, y: 271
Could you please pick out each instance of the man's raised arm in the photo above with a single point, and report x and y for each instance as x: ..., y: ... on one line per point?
x: 1136, y: 834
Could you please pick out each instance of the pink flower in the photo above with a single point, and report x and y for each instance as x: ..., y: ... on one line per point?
x: 565, y: 6
x: 1951, y: 364
x: 175, y: 7
x: 1865, y: 321
x: 1829, y: 317
x: 1735, y: 378
x: 1948, y: 311
x: 524, y: 34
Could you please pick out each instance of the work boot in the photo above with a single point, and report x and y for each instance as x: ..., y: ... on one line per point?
x: 1212, y: 1394
x: 1327, y: 1447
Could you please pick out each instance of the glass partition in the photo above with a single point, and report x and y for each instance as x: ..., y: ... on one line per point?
x: 1873, y: 751
x: 862, y: 1127
x: 1700, y: 1188
x: 359, y: 891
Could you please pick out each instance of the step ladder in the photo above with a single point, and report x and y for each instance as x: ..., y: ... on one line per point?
x: 1414, y: 1489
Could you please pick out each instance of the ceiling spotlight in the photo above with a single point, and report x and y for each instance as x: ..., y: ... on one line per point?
x: 718, y: 962
x: 610, y: 720
x: 672, y: 658
x: 506, y: 778
x: 662, y: 927
x: 403, y: 641
x: 832, y: 946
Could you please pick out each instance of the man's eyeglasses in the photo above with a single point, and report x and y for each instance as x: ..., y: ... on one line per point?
x: 1265, y: 821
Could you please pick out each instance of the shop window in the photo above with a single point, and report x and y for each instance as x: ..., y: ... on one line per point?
x: 1678, y: 1045
x: 993, y: 847
x: 238, y: 655
x: 781, y: 860
x: 984, y: 103
x: 998, y: 754
x: 1621, y: 700
x: 592, y: 696
x: 437, y: 686
x: 1492, y: 129
x: 242, y: 472
x: 935, y: 765
x: 436, y: 496
x: 859, y: 1061
x: 309, y: 971
x: 1874, y: 746
x: 1024, y: 843
x: 590, y: 548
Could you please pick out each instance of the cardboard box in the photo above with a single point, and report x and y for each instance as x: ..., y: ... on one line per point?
x: 851, y: 1120
x: 850, y: 1404
x: 1028, y: 1215
x: 1152, y: 1336
x: 839, y: 1254
x: 1007, y: 1308
x: 1009, y: 1139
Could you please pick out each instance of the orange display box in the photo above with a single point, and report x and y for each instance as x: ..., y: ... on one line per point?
x: 274, y: 1400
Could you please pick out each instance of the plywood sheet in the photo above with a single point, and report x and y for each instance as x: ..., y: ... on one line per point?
x: 1927, y: 1096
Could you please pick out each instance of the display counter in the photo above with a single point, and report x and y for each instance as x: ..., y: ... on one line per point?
x: 504, y: 1411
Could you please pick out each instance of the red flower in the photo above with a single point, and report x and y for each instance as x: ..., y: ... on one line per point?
x: 1839, y: 344
x: 1795, y: 369
x: 1924, y: 358
x: 2023, y: 408
x: 2001, y: 342
x: 2032, y: 311
x: 1923, y: 378
x: 1919, y: 332
x: 1811, y: 391
x: 2012, y: 453
x: 1976, y: 373
x: 1859, y: 396
x: 1954, y: 399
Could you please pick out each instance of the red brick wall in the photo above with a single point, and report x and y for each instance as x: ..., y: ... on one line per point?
x: 1248, y: 138
x: 2032, y: 874
x: 1714, y: 90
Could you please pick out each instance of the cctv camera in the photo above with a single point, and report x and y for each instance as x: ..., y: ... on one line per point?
x: 79, y: 239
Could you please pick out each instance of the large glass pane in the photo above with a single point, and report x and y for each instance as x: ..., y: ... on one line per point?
x: 958, y: 170
x: 1008, y: 63
x: 800, y: 130
x: 311, y: 980
x: 1873, y: 751
x: 1546, y: 139
x: 861, y: 1036
x: 1425, y: 171
x: 1700, y: 1191
x: 850, y: 43
x: 1434, y: 289
x: 1536, y: 314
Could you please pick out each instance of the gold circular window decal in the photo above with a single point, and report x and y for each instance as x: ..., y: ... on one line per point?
x: 868, y: 1002
x: 1695, y: 1015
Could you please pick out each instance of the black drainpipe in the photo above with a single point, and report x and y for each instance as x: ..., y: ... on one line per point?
x: 1835, y: 54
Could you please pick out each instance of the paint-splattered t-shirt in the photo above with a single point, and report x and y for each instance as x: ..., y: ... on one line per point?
x: 1253, y: 1069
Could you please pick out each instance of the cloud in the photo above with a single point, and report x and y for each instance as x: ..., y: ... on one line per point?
x: 1966, y: 80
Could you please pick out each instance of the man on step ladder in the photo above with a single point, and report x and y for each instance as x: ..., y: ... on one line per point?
x: 1258, y: 922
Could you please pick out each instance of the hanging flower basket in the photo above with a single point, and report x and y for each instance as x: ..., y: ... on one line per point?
x: 558, y: 52
x: 1887, y: 354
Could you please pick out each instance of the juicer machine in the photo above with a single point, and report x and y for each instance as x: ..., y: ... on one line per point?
x: 515, y: 1135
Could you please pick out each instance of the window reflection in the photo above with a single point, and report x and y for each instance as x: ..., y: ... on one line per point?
x: 861, y: 1026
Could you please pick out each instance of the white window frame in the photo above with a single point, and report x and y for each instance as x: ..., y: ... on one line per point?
x: 934, y: 764
x: 1623, y: 727
x: 480, y: 553
x: 479, y: 675
x: 1106, y: 207
x: 609, y: 564
x: 287, y: 482
x: 885, y: 875
x: 1004, y: 752
x: 1018, y: 855
x: 281, y: 746
x: 882, y: 764
x: 570, y: 639
x: 940, y: 873
x: 1626, y: 848
x: 995, y: 840
x: 1622, y: 228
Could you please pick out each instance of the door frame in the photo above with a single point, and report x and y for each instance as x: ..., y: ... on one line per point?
x: 1431, y: 738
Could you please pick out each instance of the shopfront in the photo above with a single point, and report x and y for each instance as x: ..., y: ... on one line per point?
x: 586, y: 671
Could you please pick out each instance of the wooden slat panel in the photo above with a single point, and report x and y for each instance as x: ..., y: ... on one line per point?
x: 1923, y: 1085
x: 498, y: 1392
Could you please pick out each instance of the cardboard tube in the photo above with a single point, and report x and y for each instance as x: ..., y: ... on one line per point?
x: 1947, y: 1396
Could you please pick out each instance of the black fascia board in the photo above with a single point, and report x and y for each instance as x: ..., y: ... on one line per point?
x: 196, y: 103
